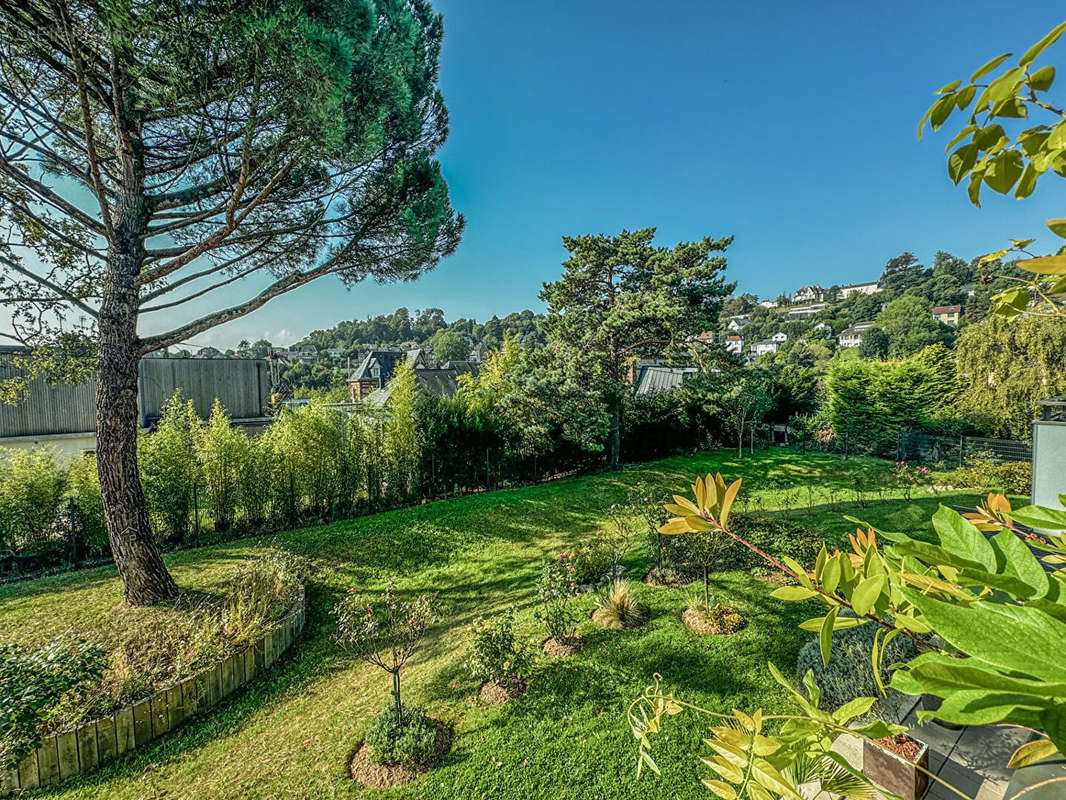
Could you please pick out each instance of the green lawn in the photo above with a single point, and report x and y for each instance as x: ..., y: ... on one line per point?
x: 290, y: 734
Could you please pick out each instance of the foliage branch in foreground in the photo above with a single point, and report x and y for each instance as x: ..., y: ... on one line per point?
x: 999, y: 612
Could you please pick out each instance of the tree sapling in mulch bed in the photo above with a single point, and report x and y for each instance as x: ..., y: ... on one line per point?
x: 499, y: 659
x: 403, y: 742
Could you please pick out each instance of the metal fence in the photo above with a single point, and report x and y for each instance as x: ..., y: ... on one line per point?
x: 957, y: 451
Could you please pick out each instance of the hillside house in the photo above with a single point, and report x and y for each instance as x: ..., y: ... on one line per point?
x: 208, y: 352
x: 378, y: 367
x: 858, y: 288
x: 436, y: 381
x: 809, y: 294
x: 764, y: 347
x: 852, y: 336
x: 779, y: 337
x: 477, y: 353
x: 949, y: 315
x: 738, y: 322
x: 734, y: 344
x: 305, y: 354
x: 662, y: 379
x: 768, y: 304
x: 802, y: 312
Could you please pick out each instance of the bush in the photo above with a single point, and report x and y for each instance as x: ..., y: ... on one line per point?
x: 850, y: 672
x: 262, y: 591
x: 555, y: 590
x: 32, y: 486
x: 412, y: 742
x: 986, y: 474
x: 774, y: 536
x: 34, y: 681
x: 498, y: 656
x: 592, y: 562
x: 84, y: 483
x: 169, y: 468
x: 619, y: 607
x: 223, y: 452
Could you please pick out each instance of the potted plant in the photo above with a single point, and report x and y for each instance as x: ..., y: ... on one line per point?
x: 386, y: 631
x: 895, y: 763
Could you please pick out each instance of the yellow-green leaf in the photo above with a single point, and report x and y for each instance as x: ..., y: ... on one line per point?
x: 987, y: 68
x: 1057, y: 227
x: 1038, y: 48
x: 1045, y: 265
x: 1032, y: 752
x: 825, y: 636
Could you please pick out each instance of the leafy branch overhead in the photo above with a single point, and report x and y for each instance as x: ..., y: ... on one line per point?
x: 990, y: 150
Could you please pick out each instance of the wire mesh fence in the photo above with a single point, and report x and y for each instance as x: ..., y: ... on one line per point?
x: 957, y: 451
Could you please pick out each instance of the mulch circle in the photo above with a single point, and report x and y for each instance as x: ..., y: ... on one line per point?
x: 492, y: 694
x: 371, y: 775
x: 698, y: 623
x: 567, y: 647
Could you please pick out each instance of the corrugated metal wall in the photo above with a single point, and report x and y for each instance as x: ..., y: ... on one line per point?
x: 243, y: 386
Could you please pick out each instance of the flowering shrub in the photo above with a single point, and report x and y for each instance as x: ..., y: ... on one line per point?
x: 498, y: 655
x: 1013, y: 477
x: 591, y: 562
x: 556, y: 588
x: 910, y: 476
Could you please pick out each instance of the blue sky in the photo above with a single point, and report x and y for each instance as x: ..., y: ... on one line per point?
x: 789, y: 125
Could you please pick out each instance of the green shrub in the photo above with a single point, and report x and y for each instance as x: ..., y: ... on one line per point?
x: 84, y: 488
x: 619, y: 608
x: 34, y: 681
x: 555, y: 590
x: 497, y: 655
x: 32, y: 486
x: 773, y: 535
x: 223, y: 452
x: 412, y: 742
x: 591, y: 562
x: 169, y: 468
x: 850, y: 672
x: 986, y: 474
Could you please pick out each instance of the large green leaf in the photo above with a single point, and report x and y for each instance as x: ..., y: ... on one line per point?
x: 1004, y: 170
x: 940, y: 674
x: 961, y: 537
x: 1038, y: 48
x: 1039, y: 516
x: 1016, y: 559
x: 1021, y: 639
x: 1054, y: 723
x: 987, y: 68
x: 981, y: 707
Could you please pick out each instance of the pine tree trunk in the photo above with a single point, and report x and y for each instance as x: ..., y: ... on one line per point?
x: 140, y: 566
x: 616, y: 434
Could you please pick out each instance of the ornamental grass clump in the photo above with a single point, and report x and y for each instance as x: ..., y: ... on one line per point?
x: 619, y: 608
x: 498, y: 656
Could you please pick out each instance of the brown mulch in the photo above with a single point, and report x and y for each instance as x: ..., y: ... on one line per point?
x: 567, y: 647
x: 777, y: 577
x: 902, y: 745
x: 492, y: 694
x: 699, y: 623
x: 371, y: 775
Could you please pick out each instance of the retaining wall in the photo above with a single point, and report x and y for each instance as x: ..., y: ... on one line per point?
x: 63, y: 755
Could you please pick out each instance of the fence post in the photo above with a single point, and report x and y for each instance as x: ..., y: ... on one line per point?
x: 196, y: 512
x: 72, y: 523
x: 962, y: 445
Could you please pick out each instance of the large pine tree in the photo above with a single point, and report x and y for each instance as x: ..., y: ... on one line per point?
x: 170, y: 166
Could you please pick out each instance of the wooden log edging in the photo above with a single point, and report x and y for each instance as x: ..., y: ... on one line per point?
x: 63, y: 755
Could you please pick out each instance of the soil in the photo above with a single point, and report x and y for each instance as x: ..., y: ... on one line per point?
x: 492, y: 694
x: 698, y: 622
x: 777, y: 577
x: 371, y: 775
x: 902, y: 745
x: 566, y: 648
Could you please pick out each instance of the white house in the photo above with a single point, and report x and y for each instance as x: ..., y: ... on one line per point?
x: 802, y: 312
x: 949, y: 315
x: 764, y: 346
x: 738, y: 322
x: 768, y: 304
x: 858, y: 288
x: 779, y: 337
x: 809, y: 294
x: 852, y: 337
x: 734, y: 344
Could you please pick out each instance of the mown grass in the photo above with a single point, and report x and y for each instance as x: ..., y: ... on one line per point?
x: 290, y: 734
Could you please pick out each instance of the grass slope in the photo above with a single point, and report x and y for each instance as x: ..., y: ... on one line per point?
x: 290, y: 734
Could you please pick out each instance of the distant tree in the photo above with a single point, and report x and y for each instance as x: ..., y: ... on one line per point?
x: 947, y: 265
x: 874, y: 344
x: 744, y: 398
x: 941, y: 290
x: 152, y: 154
x: 910, y: 327
x: 783, y: 299
x: 902, y: 272
x: 1006, y: 367
x: 621, y: 298
x: 448, y: 345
